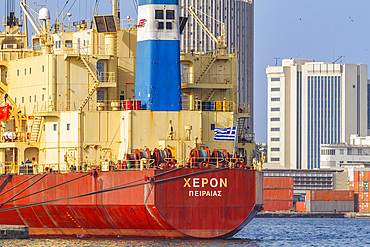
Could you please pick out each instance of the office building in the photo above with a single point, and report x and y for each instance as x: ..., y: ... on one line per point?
x: 313, y: 103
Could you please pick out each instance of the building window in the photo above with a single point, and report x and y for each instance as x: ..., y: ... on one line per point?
x: 44, y: 127
x: 15, y: 100
x: 275, y: 99
x: 55, y: 127
x: 275, y: 109
x: 275, y: 119
x: 35, y: 98
x: 68, y: 126
x: 275, y: 139
x: 43, y: 68
x: 360, y: 151
x: 275, y: 79
x: 42, y: 97
x: 275, y: 159
x: 275, y: 129
x: 275, y: 89
x: 159, y: 14
x: 30, y: 70
x: 349, y: 151
x: 275, y: 149
x: 160, y: 25
x: 17, y: 72
x: 25, y: 71
x: 30, y: 98
x: 170, y: 14
x: 68, y: 44
x: 168, y: 25
x: 22, y: 99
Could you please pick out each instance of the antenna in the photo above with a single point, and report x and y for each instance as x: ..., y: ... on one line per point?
x: 276, y: 60
x: 339, y: 57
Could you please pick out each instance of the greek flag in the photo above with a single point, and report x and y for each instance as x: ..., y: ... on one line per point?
x: 227, y: 134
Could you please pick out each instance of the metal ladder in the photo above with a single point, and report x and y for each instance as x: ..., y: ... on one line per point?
x: 95, y: 86
x: 206, y: 69
x: 36, y: 126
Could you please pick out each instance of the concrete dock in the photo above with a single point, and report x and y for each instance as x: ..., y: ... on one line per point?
x: 16, y: 232
x: 289, y: 214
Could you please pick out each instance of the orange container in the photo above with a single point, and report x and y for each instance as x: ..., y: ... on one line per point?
x: 330, y: 195
x: 361, y: 176
x: 278, y: 182
x: 300, y: 206
x: 363, y: 207
x: 356, y: 183
x: 278, y: 195
x: 363, y: 197
x: 360, y: 186
x: 355, y: 175
x: 352, y: 186
x: 366, y: 175
x: 277, y: 205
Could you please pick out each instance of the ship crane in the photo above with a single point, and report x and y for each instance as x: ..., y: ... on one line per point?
x: 221, y: 40
x: 33, y: 20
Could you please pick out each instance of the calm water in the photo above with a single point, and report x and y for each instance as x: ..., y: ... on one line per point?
x: 260, y: 232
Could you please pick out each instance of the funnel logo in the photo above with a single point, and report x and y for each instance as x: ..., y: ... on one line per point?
x: 141, y: 23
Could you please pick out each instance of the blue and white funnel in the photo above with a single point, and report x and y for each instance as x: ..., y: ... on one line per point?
x: 158, y: 78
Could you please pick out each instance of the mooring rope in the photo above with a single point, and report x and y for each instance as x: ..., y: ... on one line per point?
x: 120, y: 187
x: 24, y: 189
x: 18, y: 184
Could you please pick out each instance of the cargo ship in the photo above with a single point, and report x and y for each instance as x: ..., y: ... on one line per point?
x: 108, y: 130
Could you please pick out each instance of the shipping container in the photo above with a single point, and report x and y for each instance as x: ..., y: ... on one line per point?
x: 363, y: 207
x: 366, y: 175
x: 363, y: 196
x: 278, y: 182
x: 352, y: 186
x: 361, y: 176
x: 355, y: 174
x: 300, y: 206
x: 330, y: 206
x: 356, y: 207
x: 360, y: 186
x: 330, y: 195
x: 278, y: 194
x: 277, y: 205
x: 366, y: 186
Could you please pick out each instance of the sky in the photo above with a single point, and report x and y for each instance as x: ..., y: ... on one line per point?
x: 316, y: 29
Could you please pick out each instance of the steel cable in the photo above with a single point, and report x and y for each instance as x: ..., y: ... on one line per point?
x: 23, y: 190
x: 18, y: 184
x: 112, y: 189
x: 49, y: 188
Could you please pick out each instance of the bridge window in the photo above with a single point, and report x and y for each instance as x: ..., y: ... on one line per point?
x: 160, y: 25
x: 170, y: 14
x: 68, y: 43
x: 159, y: 14
x: 168, y: 25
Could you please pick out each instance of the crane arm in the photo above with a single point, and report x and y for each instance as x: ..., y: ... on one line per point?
x: 24, y: 8
x: 205, y: 28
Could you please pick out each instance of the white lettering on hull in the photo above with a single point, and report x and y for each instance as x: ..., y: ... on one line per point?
x: 205, y: 193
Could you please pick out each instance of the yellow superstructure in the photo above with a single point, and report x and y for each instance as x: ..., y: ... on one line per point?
x: 74, y: 100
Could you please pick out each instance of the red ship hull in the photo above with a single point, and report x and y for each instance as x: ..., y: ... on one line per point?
x: 180, y: 203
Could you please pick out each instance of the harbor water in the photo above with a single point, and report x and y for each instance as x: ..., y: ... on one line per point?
x: 260, y: 232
